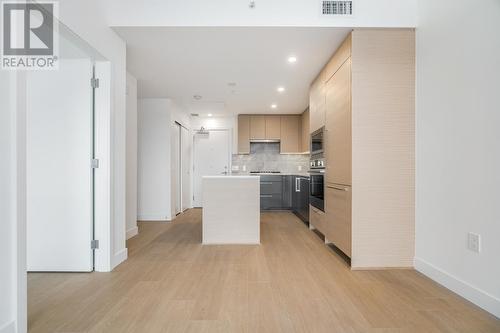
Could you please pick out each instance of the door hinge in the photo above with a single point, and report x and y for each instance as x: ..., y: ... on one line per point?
x: 94, y: 244
x: 94, y: 82
x: 95, y: 163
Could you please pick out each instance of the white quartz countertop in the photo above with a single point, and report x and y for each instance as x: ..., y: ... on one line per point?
x: 301, y: 174
x: 230, y: 176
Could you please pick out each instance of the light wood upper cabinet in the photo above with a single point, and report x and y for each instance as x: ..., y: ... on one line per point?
x: 290, y: 134
x: 317, y: 103
x: 291, y: 130
x: 273, y: 127
x: 257, y: 127
x: 243, y: 134
x: 342, y: 54
x: 305, y: 135
x: 338, y: 138
x: 338, y: 215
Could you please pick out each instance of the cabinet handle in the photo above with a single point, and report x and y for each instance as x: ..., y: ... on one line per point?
x: 338, y: 188
x: 297, y: 184
x: 266, y: 196
x: 266, y: 183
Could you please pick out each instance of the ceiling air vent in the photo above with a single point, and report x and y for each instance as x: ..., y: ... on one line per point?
x: 338, y: 8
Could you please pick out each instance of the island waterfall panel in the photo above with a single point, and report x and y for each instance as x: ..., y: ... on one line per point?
x: 231, y: 210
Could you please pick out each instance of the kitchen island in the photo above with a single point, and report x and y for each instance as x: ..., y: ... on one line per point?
x: 231, y: 210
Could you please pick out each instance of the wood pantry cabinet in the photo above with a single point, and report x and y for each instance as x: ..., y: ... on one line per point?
x: 338, y: 126
x: 369, y: 117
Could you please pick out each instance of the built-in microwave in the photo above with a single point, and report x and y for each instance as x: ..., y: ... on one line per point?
x: 317, y: 143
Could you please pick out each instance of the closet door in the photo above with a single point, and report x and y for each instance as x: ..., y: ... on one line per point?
x: 338, y: 138
x: 186, y: 144
x: 176, y: 178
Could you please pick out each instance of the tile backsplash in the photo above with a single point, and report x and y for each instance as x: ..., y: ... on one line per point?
x: 267, y: 157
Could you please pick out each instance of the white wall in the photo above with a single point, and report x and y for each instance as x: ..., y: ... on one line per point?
x: 154, y: 136
x: 155, y: 120
x: 75, y: 14
x: 368, y: 13
x: 7, y: 216
x: 131, y: 189
x: 458, y: 146
x: 230, y: 123
x: 13, y: 306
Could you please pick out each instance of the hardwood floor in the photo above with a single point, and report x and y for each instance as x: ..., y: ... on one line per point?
x: 290, y: 283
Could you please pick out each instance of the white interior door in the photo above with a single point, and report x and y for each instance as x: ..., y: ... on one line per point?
x: 59, y: 173
x: 211, y: 158
x: 186, y: 144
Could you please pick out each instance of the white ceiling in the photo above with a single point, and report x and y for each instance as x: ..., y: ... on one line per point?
x: 180, y: 62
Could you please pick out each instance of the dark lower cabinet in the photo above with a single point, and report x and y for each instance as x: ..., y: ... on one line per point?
x: 285, y: 193
x: 271, y: 192
x: 300, y: 197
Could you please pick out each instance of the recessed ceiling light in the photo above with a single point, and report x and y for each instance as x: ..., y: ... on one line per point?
x: 197, y: 97
x: 273, y: 106
x: 210, y: 115
x: 280, y: 89
x: 292, y: 59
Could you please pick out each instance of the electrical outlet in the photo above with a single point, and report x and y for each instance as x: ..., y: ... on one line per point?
x: 474, y: 242
x: 244, y: 168
x: 300, y: 167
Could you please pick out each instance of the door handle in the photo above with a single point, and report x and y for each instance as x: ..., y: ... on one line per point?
x: 345, y: 189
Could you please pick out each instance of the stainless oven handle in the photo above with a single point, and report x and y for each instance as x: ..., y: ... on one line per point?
x: 338, y: 188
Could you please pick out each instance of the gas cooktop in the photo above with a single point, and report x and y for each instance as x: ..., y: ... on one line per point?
x: 265, y: 171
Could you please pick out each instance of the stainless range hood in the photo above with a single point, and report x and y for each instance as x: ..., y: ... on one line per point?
x: 264, y: 140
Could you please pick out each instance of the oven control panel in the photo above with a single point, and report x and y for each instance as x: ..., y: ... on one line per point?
x: 317, y: 164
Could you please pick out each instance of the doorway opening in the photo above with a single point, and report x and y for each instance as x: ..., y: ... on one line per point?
x: 65, y: 165
x: 212, y: 157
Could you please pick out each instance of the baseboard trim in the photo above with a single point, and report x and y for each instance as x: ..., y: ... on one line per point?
x: 153, y: 218
x: 9, y: 327
x: 119, y: 257
x: 477, y: 296
x: 132, y: 232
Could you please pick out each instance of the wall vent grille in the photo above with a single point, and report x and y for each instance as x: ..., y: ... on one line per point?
x: 340, y: 8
